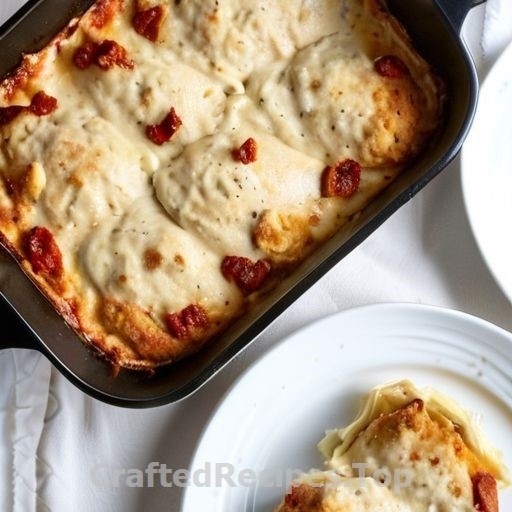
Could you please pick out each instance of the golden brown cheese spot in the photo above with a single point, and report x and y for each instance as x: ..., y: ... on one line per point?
x: 396, y: 135
x: 23, y: 191
x: 210, y: 24
x: 302, y: 498
x: 34, y: 181
x: 314, y: 219
x: 17, y: 81
x: 391, y: 427
x: 283, y: 236
x: 455, y: 489
x: 28, y: 187
x: 316, y: 84
x: 152, y: 258
x: 75, y: 179
x: 103, y: 12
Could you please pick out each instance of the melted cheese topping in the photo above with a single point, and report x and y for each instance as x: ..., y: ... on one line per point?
x: 239, y: 38
x: 318, y: 105
x: 208, y: 192
x: 143, y: 228
x: 441, y: 408
x: 407, y: 450
x: 315, y: 100
x: 141, y: 258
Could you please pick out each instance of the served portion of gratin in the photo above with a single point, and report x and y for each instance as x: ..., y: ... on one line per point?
x: 163, y: 164
x: 408, y: 450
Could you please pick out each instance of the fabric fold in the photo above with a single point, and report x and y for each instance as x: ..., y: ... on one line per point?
x: 25, y: 383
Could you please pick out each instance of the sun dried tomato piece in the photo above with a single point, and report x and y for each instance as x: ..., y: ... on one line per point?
x: 341, y: 179
x: 247, y: 152
x: 165, y: 130
x: 485, y: 492
x: 8, y: 114
x: 248, y: 275
x: 147, y: 22
x: 103, y: 11
x: 303, y: 497
x: 42, y: 104
x: 391, y: 66
x: 181, y: 324
x: 43, y: 252
x: 83, y: 57
x: 110, y: 54
x: 105, y: 54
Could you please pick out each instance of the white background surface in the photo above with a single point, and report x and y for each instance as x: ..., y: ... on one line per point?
x: 55, y: 441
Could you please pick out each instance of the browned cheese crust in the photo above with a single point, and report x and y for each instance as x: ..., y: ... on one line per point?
x: 430, y: 448
x: 164, y: 164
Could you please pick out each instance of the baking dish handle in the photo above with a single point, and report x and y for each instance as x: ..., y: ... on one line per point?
x: 15, y: 333
x: 456, y: 11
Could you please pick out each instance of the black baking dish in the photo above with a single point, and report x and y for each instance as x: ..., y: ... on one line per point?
x: 435, y: 28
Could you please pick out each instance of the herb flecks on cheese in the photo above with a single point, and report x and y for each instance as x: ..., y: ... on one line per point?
x: 175, y: 154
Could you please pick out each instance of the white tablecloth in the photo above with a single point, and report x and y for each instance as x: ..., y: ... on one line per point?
x: 58, y: 445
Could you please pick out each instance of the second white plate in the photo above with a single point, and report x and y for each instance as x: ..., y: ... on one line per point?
x: 267, y: 427
x: 487, y: 172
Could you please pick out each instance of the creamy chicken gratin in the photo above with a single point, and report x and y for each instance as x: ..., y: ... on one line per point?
x: 163, y: 164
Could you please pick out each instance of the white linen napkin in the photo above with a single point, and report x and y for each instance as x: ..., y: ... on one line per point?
x: 62, y: 450
x: 24, y: 381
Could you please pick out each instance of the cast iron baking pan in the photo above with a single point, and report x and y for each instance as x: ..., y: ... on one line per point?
x: 435, y: 28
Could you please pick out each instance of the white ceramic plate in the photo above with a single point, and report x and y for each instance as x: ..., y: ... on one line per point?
x: 487, y: 172
x: 268, y: 424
